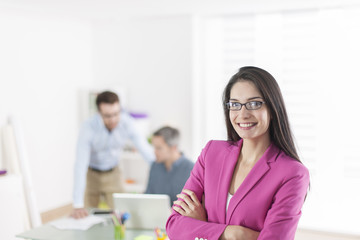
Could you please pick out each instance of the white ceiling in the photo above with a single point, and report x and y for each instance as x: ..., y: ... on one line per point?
x: 117, y: 9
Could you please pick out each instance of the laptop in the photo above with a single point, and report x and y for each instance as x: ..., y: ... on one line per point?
x: 147, y: 211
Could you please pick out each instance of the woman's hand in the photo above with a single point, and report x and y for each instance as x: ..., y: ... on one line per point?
x: 190, y: 206
x: 239, y: 233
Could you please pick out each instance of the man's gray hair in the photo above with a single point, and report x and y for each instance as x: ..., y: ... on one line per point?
x: 171, y: 135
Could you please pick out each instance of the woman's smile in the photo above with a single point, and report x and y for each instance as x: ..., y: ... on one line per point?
x: 246, y: 126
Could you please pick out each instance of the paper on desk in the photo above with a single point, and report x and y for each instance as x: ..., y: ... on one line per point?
x: 77, y: 224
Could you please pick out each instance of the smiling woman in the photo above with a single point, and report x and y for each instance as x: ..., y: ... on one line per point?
x: 253, y: 185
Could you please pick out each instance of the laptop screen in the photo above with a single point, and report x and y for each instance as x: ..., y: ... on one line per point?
x: 147, y: 211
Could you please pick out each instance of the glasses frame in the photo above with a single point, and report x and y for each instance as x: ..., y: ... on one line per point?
x: 244, y: 104
x: 109, y: 116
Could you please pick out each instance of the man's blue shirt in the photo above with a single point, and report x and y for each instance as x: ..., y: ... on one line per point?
x: 101, y: 149
x: 170, y: 182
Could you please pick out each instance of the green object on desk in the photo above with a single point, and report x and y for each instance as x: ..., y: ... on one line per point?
x: 99, y: 231
x: 119, y: 231
x: 144, y: 237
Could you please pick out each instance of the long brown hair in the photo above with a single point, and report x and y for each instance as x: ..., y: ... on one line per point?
x: 279, y: 129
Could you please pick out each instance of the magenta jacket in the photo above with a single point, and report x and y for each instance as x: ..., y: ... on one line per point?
x: 269, y: 200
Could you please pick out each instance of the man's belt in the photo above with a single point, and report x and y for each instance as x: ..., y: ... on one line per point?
x: 102, y: 171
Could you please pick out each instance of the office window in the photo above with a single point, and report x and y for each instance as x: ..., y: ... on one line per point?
x: 314, y: 55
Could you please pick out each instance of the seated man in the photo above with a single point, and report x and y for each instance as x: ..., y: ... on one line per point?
x: 171, y: 169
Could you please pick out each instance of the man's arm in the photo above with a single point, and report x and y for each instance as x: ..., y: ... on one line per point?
x: 80, y: 170
x: 140, y: 142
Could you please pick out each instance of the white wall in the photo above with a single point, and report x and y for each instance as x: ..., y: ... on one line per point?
x: 151, y: 57
x: 43, y: 62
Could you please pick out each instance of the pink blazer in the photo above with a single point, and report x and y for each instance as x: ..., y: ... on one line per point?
x: 269, y: 200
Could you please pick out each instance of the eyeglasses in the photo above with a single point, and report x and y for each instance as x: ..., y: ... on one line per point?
x: 111, y: 115
x: 236, y: 106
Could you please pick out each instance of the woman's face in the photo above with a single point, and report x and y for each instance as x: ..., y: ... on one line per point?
x: 249, y: 124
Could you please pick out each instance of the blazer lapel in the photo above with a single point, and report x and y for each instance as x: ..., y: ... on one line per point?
x: 226, y: 172
x: 254, y: 176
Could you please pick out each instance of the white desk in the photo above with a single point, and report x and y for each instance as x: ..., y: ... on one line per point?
x: 97, y: 232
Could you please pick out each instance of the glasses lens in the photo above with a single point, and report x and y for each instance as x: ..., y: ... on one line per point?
x: 253, y: 105
x: 233, y: 105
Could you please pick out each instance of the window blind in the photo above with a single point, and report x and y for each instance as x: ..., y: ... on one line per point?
x: 314, y: 55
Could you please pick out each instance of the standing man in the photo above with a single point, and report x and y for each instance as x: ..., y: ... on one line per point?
x: 101, y: 140
x: 171, y: 169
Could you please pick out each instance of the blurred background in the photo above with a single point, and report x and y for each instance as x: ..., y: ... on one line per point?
x: 171, y: 60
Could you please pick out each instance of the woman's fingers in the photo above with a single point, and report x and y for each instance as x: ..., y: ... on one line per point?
x: 188, y: 200
x: 179, y: 210
x: 192, y: 196
x: 183, y: 205
x: 189, y: 205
